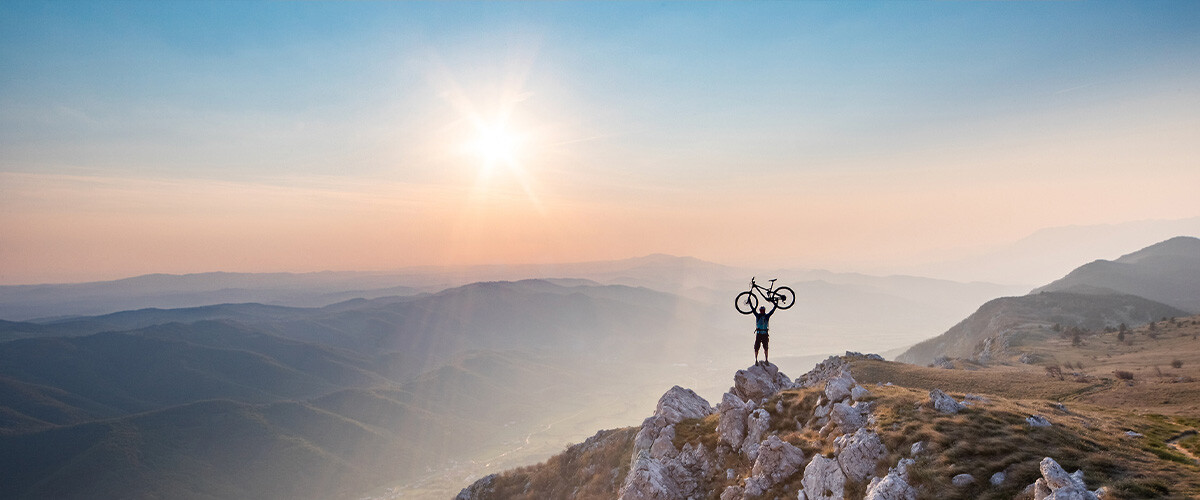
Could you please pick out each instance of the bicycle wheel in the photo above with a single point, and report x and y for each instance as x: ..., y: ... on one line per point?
x: 745, y: 302
x: 784, y: 297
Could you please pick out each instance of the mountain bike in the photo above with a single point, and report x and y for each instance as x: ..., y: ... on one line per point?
x: 746, y: 302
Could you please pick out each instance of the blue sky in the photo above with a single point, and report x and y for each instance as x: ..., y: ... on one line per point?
x: 638, y: 115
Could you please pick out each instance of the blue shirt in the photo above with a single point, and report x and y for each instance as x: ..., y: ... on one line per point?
x: 761, y: 319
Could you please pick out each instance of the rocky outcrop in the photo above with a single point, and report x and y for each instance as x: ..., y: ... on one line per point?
x: 823, y: 479
x: 483, y: 488
x: 757, y: 423
x: 893, y: 486
x: 858, y: 453
x: 943, y: 403
x: 777, y: 460
x: 1056, y: 484
x: 1037, y: 421
x: 758, y: 383
x: 731, y: 428
x: 657, y: 469
x: 679, y: 404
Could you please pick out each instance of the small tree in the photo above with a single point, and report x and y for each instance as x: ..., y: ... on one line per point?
x: 1152, y: 327
x: 1076, y: 340
x: 1121, y: 336
x: 1175, y: 363
x: 1057, y: 327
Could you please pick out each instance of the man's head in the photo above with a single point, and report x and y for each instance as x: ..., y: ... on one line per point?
x: 762, y: 309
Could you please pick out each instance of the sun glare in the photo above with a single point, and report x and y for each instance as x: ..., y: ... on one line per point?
x: 495, y: 143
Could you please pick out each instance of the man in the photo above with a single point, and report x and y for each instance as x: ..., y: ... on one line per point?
x: 761, y: 318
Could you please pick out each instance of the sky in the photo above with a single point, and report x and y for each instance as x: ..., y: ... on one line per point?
x: 140, y: 137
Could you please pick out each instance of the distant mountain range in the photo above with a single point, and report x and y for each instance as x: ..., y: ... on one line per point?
x: 1162, y: 280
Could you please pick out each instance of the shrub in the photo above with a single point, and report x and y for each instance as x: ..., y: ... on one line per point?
x: 1123, y: 375
x: 1176, y: 363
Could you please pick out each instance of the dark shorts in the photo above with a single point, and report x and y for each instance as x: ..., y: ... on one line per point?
x: 761, y: 339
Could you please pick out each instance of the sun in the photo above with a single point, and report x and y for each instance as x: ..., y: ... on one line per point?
x: 495, y: 143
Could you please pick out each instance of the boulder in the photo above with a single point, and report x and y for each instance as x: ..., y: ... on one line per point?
x: 998, y: 478
x: 846, y: 417
x: 822, y: 372
x: 1072, y: 493
x: 1056, y: 484
x: 664, y: 444
x: 731, y: 427
x: 917, y: 448
x: 858, y: 453
x: 650, y: 479
x: 962, y: 480
x: 859, y: 393
x: 823, y: 479
x: 1037, y: 421
x: 733, y: 492
x: 757, y: 424
x: 1056, y: 477
x: 678, y: 404
x: 838, y: 387
x: 759, y: 382
x: 777, y: 460
x: 943, y: 403
x: 893, y: 486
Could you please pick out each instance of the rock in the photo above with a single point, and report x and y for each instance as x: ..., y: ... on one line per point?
x: 664, y: 446
x: 731, y: 428
x: 962, y: 480
x: 838, y: 387
x: 649, y: 479
x: 1040, y: 489
x: 976, y: 398
x: 859, y: 393
x: 943, y: 403
x: 757, y: 423
x: 678, y: 404
x: 893, y: 486
x: 823, y: 479
x: 858, y: 453
x: 1054, y: 474
x: 777, y: 460
x: 483, y: 488
x: 1037, y: 421
x: 998, y: 478
x: 759, y: 382
x: 730, y: 474
x: 943, y: 362
x: 822, y: 372
x: 648, y: 433
x: 1072, y: 493
x: 917, y: 448
x: 846, y: 417
x: 1133, y: 434
x: 733, y: 492
x: 1056, y: 484
x: 1104, y: 493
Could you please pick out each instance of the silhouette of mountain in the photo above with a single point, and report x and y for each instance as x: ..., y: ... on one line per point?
x: 1162, y: 280
x: 1167, y: 272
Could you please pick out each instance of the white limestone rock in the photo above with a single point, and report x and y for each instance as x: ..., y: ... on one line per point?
x: 893, y: 486
x: 859, y: 393
x: 917, y: 448
x: 1037, y: 421
x: 678, y: 404
x: 732, y: 492
x: 998, y: 478
x: 731, y: 428
x: 757, y: 424
x: 777, y: 460
x: 943, y: 403
x: 822, y: 372
x: 846, y: 417
x: 838, y: 387
x: 823, y: 479
x: 962, y: 480
x: 859, y: 453
x: 650, y: 479
x: 759, y: 382
x: 664, y: 446
x: 1056, y: 477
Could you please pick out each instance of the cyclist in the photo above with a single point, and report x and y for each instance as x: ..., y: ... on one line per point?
x: 761, y: 318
